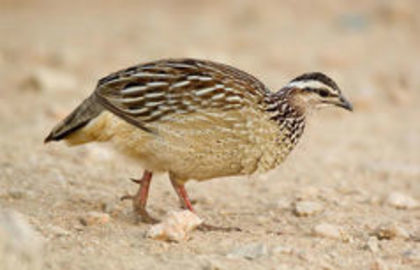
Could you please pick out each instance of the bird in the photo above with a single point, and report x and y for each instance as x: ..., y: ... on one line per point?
x: 196, y: 119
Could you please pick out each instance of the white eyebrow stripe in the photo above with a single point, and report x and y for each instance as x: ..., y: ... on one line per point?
x: 309, y: 84
x: 134, y: 89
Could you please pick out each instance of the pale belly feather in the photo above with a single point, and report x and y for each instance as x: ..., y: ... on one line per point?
x: 196, y: 146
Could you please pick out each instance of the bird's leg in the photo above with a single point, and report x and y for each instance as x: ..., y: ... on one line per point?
x: 186, y: 204
x: 182, y: 195
x: 140, y: 199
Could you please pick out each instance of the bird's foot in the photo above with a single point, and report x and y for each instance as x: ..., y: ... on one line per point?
x: 140, y: 211
x: 139, y: 200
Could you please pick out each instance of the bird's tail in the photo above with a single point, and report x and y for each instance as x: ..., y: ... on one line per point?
x: 88, y: 110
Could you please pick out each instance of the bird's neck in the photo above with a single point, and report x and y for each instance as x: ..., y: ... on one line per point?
x: 289, y: 113
x: 286, y: 104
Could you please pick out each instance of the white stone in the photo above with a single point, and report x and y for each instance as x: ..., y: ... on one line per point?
x: 328, y: 231
x: 402, y: 201
x: 57, y: 231
x: 175, y: 227
x: 250, y: 251
x: 372, y: 244
x: 307, y: 208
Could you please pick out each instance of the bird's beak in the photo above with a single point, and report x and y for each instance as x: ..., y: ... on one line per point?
x: 344, y: 103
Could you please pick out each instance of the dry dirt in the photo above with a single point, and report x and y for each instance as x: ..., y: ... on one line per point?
x: 348, y: 164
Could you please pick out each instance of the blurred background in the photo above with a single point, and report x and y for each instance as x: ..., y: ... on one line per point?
x: 53, y: 52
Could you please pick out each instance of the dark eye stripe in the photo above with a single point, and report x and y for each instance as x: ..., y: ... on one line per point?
x: 321, y: 91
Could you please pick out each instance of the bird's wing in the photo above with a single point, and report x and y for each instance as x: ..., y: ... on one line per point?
x: 153, y: 91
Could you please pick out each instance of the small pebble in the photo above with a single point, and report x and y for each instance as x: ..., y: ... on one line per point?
x: 175, y: 227
x: 57, y: 231
x: 372, y: 244
x: 250, y: 251
x: 307, y: 208
x: 391, y: 231
x: 402, y: 201
x: 94, y: 218
x: 328, y: 231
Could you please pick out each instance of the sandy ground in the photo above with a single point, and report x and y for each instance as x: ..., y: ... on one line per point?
x: 350, y: 167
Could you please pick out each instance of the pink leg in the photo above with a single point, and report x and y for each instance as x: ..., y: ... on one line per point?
x: 186, y: 203
x: 140, y: 199
x: 182, y: 195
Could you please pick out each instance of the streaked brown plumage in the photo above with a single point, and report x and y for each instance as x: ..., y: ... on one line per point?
x: 196, y: 120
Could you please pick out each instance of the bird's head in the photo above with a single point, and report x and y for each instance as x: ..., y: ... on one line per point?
x: 315, y: 90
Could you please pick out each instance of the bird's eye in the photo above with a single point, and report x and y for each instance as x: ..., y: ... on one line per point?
x: 323, y: 93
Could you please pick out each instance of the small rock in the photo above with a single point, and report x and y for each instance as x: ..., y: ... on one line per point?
x: 20, y: 245
x: 307, y: 208
x: 402, y: 201
x: 49, y: 79
x: 175, y: 226
x: 391, y: 231
x: 95, y: 218
x: 372, y: 244
x: 57, y: 231
x: 250, y: 251
x: 328, y: 231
